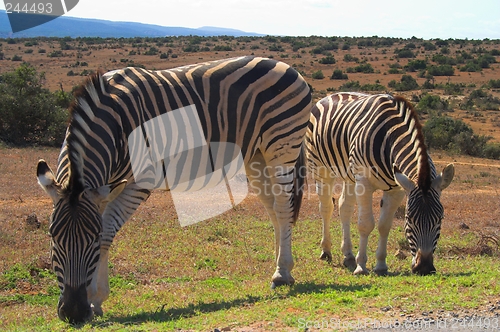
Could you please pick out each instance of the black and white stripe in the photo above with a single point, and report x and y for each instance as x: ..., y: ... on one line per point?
x: 260, y: 105
x: 375, y: 142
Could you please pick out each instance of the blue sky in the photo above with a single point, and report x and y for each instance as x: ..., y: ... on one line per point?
x: 388, y: 18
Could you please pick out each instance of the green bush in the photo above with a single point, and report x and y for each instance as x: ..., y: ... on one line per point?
x: 495, y: 84
x: 350, y: 86
x: 407, y: 83
x: 492, y: 151
x: 338, y: 75
x: 442, y: 132
x: 29, y: 113
x: 441, y: 70
x: 328, y: 60
x: 429, y: 103
x: 318, y: 75
x: 404, y: 53
x: 415, y: 65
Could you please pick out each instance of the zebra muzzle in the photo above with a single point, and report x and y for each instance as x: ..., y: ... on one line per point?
x: 423, y: 263
x: 73, y: 306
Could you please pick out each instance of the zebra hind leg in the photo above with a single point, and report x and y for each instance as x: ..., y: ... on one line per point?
x: 390, y: 202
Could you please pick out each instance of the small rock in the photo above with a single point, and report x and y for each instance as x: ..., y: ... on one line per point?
x: 400, y: 254
x: 32, y: 221
x: 463, y: 226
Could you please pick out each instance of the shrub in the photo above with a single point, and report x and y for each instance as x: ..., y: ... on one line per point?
x: 318, y: 75
x: 492, y: 151
x: 152, y: 51
x: 495, y: 84
x: 407, y: 83
x: 30, y: 113
x: 441, y: 70
x: 428, y: 46
x: 338, y: 75
x: 17, y: 58
x: 416, y: 65
x: 364, y: 68
x: 328, y: 60
x: 404, y: 53
x: 429, y: 103
x: 350, y: 86
x: 350, y: 58
x: 454, y: 135
x: 227, y: 48
x: 439, y: 131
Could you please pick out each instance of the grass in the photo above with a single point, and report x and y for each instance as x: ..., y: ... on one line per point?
x: 216, y: 274
x: 215, y: 284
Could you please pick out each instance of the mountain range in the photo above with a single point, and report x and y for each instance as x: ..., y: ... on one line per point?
x: 66, y: 26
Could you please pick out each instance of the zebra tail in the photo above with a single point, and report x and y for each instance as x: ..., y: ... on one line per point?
x: 298, y: 182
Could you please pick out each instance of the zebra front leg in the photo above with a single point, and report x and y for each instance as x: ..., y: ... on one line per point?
x: 366, y: 222
x: 99, y: 287
x: 284, y: 261
x: 259, y: 179
x: 346, y: 209
x: 389, y: 204
x: 326, y: 205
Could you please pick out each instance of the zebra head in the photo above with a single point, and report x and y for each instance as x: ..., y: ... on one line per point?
x: 424, y: 213
x: 75, y: 230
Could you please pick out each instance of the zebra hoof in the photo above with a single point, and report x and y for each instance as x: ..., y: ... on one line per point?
x: 361, y: 271
x: 97, y: 311
x: 280, y: 281
x: 350, y: 263
x: 326, y: 256
x: 381, y: 271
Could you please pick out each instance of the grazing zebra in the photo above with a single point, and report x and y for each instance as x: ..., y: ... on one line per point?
x: 375, y: 142
x: 260, y: 105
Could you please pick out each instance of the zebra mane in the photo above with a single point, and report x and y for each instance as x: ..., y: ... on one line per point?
x: 87, y: 99
x: 424, y: 179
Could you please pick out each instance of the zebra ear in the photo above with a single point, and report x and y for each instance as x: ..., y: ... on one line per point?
x: 402, y: 180
x: 106, y: 194
x: 445, y: 178
x: 47, y: 181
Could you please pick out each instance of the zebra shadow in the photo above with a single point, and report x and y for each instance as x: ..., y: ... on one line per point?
x: 164, y: 313
x: 432, y: 275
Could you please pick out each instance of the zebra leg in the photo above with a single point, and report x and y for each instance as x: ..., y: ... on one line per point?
x: 326, y: 205
x: 390, y: 202
x: 366, y: 222
x: 282, y: 179
x: 99, y: 288
x: 259, y: 179
x: 346, y: 208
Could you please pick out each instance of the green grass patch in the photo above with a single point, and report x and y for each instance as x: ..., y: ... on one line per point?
x: 222, y: 280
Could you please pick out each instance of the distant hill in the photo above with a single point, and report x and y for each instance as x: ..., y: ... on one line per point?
x: 66, y: 26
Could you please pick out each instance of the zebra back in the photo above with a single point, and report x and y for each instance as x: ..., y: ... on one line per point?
x: 235, y: 100
x: 353, y: 132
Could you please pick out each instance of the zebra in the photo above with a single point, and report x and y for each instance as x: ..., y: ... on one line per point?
x: 258, y: 104
x: 375, y: 142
